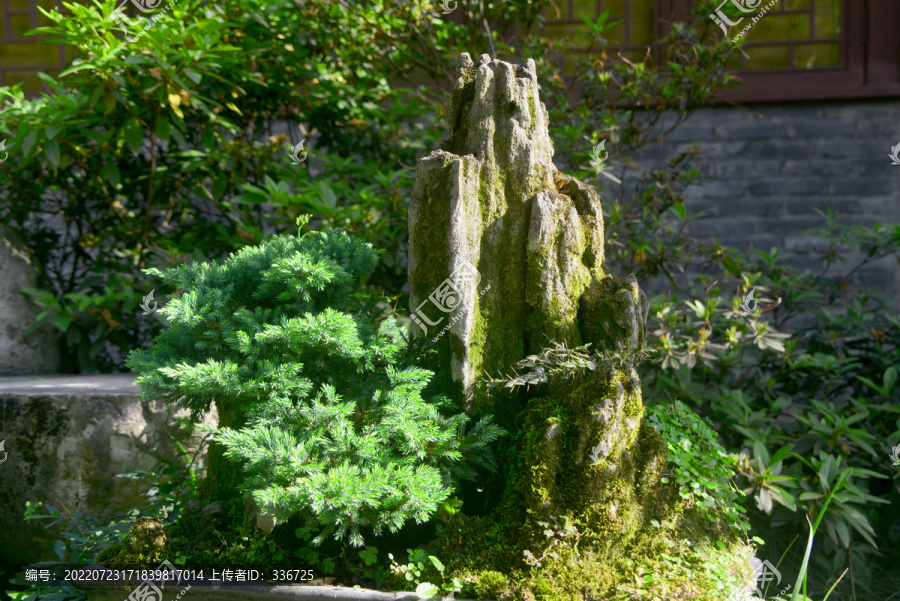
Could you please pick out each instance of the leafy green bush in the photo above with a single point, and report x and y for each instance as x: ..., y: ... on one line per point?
x: 797, y: 413
x: 312, y: 399
x: 159, y: 150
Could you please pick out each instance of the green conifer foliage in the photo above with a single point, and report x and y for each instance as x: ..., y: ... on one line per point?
x: 324, y: 421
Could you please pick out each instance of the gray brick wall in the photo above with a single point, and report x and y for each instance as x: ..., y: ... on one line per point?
x: 764, y: 171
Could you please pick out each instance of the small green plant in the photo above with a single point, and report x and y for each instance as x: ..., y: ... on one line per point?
x: 417, y: 568
x: 560, y: 360
x: 84, y: 536
x: 842, y: 481
x: 446, y: 510
x: 697, y: 461
x: 316, y: 410
x: 82, y: 540
x: 557, y: 529
x: 490, y: 585
x: 369, y: 555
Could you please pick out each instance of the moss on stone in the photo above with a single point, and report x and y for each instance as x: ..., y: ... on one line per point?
x: 633, y: 533
x: 490, y: 585
x: 144, y: 545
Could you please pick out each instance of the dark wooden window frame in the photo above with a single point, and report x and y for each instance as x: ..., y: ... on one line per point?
x: 34, y: 15
x: 870, y: 38
x: 871, y: 60
x: 871, y: 67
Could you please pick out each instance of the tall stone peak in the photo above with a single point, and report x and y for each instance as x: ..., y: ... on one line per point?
x: 496, y: 116
x: 490, y: 203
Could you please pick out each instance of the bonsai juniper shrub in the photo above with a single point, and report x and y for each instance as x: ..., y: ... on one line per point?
x: 315, y: 407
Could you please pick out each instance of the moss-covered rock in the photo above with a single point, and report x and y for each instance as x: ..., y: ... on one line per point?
x: 586, y: 511
x: 487, y: 202
x: 145, y: 545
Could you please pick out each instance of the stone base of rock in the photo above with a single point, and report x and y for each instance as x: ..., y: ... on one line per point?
x: 66, y: 438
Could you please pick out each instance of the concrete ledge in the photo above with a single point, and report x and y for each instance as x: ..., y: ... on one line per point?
x: 114, y: 384
x: 293, y: 592
x: 202, y: 591
x: 67, y: 437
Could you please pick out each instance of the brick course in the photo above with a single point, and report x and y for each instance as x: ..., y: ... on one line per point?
x: 768, y: 169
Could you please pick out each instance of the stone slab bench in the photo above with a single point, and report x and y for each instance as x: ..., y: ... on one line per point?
x: 66, y: 437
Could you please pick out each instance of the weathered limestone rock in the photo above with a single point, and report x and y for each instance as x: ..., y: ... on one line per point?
x: 489, y: 199
x: 505, y: 255
x: 67, y: 437
x: 38, y: 353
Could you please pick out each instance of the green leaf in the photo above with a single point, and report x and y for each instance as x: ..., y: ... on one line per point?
x: 35, y: 292
x: 110, y: 173
x: 426, y: 590
x: 327, y: 194
x: 193, y: 75
x: 52, y: 151
x: 28, y: 143
x: 134, y: 135
x: 62, y: 322
x: 109, y: 103
x: 437, y: 563
x: 162, y: 130
x: 781, y: 453
x: 680, y: 210
x: 890, y: 377
x: 731, y: 266
x: 843, y: 532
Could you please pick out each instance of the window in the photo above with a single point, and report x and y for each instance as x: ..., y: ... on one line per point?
x: 796, y: 49
x: 21, y: 57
